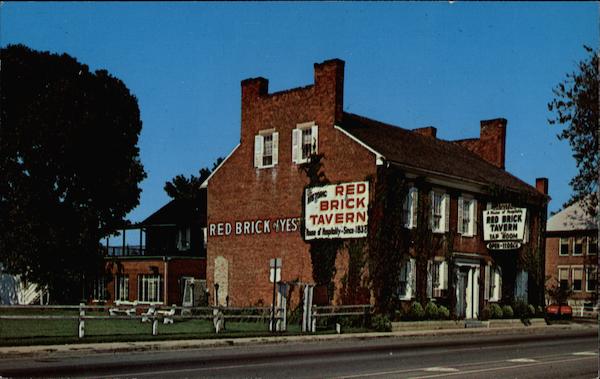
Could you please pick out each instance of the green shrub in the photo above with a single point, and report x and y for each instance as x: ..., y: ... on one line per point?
x: 507, y: 311
x: 531, y: 310
x: 443, y: 313
x: 521, y: 309
x: 486, y: 313
x: 495, y: 311
x: 431, y: 311
x: 416, y: 312
x: 540, y: 311
x: 381, y: 323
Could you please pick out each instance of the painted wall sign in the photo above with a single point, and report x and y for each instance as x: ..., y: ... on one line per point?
x: 254, y: 227
x: 504, y: 225
x: 337, y: 211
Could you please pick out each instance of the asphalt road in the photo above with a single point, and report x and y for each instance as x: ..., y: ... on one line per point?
x: 543, y: 354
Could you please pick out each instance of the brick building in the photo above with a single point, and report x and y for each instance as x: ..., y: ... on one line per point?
x: 572, y: 254
x: 256, y: 199
x: 168, y: 262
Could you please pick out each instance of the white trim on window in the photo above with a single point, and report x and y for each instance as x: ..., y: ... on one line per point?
x: 305, y: 141
x: 562, y: 241
x: 409, y: 208
x: 150, y: 288
x: 588, y: 271
x: 407, y: 280
x: 440, y: 211
x: 592, y: 241
x: 122, y: 288
x: 266, y: 149
x: 578, y: 241
x: 578, y: 269
x: 467, y: 205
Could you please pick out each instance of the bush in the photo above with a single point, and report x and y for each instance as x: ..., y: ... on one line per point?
x: 540, y: 311
x: 443, y: 312
x: 381, y: 323
x: 416, y: 312
x: 486, y: 313
x: 495, y: 311
x: 531, y: 310
x: 507, y: 311
x: 521, y: 309
x: 431, y: 311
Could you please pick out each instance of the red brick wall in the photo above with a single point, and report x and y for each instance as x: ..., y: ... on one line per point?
x: 239, y: 191
x: 491, y: 142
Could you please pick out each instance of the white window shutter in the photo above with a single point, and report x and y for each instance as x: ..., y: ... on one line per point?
x: 444, y: 275
x: 414, y: 200
x: 498, y: 278
x: 296, y: 135
x: 275, y: 148
x: 412, y: 278
x: 446, y: 205
x: 315, y: 138
x: 429, y: 279
x: 258, y: 150
x: 474, y: 217
x: 432, y: 211
x: 459, y: 223
x: 486, y: 286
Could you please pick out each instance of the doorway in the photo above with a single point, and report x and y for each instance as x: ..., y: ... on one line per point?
x: 467, y: 290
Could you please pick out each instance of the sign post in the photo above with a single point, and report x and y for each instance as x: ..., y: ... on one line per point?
x: 275, y: 277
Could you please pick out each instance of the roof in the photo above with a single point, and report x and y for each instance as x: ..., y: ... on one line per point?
x: 574, y: 217
x: 179, y: 211
x: 445, y: 158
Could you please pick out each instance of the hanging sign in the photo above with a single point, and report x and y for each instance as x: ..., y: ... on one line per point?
x: 336, y: 211
x: 504, y: 225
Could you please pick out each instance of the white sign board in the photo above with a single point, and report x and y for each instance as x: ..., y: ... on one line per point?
x: 336, y: 211
x: 504, y: 224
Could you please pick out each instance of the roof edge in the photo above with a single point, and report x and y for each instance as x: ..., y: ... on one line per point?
x: 205, y: 182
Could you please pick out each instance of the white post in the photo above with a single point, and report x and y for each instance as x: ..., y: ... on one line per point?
x: 81, y: 320
x: 155, y: 326
x: 305, y: 309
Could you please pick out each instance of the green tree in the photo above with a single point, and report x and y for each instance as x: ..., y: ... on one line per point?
x: 180, y: 187
x: 576, y: 107
x: 69, y: 167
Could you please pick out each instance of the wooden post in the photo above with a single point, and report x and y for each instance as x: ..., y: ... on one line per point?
x: 155, y: 322
x: 81, y: 327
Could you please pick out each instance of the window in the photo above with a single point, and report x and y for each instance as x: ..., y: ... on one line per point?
x: 150, y: 288
x: 266, y: 145
x: 122, y: 288
x: 563, y: 277
x: 592, y: 248
x: 99, y: 290
x: 305, y: 140
x: 467, y: 216
x: 440, y: 207
x: 407, y: 279
x: 577, y: 276
x: 409, y: 208
x: 437, y: 278
x: 578, y: 246
x: 591, y: 279
x: 183, y: 239
x: 564, y: 246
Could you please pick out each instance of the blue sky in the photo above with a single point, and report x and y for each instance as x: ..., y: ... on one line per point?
x: 449, y: 65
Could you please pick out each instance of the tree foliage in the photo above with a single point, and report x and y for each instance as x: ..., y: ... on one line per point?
x: 576, y: 107
x: 180, y: 187
x: 69, y: 166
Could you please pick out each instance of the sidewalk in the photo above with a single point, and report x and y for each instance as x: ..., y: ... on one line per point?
x: 114, y: 347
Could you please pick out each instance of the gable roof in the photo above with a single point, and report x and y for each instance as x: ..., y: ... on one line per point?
x: 178, y: 212
x: 438, y: 156
x: 572, y: 218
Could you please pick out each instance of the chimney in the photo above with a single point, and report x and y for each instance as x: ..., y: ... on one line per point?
x: 427, y: 131
x: 254, y: 87
x: 492, y: 141
x: 541, y: 184
x: 329, y: 82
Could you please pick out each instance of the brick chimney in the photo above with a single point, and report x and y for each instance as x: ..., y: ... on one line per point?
x: 427, y: 131
x: 329, y: 83
x: 541, y: 184
x: 491, y: 143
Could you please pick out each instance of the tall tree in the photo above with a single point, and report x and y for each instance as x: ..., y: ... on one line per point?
x: 180, y: 187
x: 576, y: 107
x: 69, y: 167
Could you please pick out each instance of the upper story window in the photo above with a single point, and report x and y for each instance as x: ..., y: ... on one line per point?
x: 577, y: 275
x: 183, y: 239
x: 467, y: 216
x: 440, y: 212
x: 409, y: 208
x: 266, y: 148
x: 564, y: 246
x: 305, y: 141
x: 578, y: 246
x: 592, y: 248
x: 591, y: 278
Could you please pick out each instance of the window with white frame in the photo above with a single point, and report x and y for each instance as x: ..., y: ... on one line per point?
x: 305, y: 142
x: 440, y: 209
x: 437, y: 278
x: 591, y: 278
x: 409, y: 208
x: 99, y: 290
x: 467, y: 216
x: 564, y: 246
x: 577, y: 275
x: 407, y: 279
x: 592, y: 248
x: 578, y: 246
x: 183, y: 239
x: 563, y: 277
x: 266, y: 148
x: 150, y: 288
x: 122, y: 288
